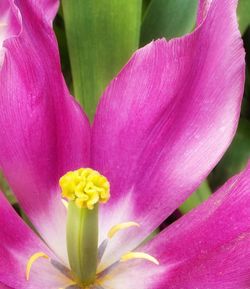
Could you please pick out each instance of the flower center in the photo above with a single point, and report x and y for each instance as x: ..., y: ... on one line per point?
x: 84, y: 189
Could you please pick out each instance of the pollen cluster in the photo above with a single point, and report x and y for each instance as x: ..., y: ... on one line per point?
x: 86, y: 187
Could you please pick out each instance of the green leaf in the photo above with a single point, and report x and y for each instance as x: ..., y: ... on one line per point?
x: 4, y: 187
x: 59, y: 29
x: 243, y: 13
x: 101, y: 37
x: 235, y: 158
x: 145, y: 4
x: 200, y: 195
x: 168, y: 18
x: 245, y: 108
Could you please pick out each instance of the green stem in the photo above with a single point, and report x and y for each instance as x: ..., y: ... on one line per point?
x: 82, y: 242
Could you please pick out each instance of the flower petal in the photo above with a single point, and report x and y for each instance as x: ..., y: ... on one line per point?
x: 203, y: 7
x: 2, y: 286
x: 43, y: 130
x: 9, y: 24
x: 166, y: 120
x: 209, y: 248
x: 47, y: 8
x: 18, y: 243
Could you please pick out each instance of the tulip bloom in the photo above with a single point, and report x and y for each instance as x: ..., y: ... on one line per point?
x: 160, y: 127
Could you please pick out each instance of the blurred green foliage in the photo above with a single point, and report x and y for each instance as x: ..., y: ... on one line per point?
x: 59, y: 29
x: 201, y: 194
x: 102, y: 36
x: 168, y: 18
x: 243, y: 15
x: 235, y: 158
x: 4, y: 187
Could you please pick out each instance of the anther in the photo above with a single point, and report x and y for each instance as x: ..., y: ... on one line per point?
x: 115, y: 229
x: 138, y: 255
x: 31, y: 261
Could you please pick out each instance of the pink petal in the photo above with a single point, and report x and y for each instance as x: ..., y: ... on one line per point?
x: 18, y: 244
x: 44, y: 133
x: 165, y: 121
x: 2, y: 286
x: 136, y: 274
x: 47, y: 8
x: 203, y: 7
x: 208, y: 248
x: 9, y: 24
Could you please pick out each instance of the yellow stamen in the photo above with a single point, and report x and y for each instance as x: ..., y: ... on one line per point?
x: 139, y: 255
x: 86, y: 187
x: 120, y: 227
x: 31, y: 260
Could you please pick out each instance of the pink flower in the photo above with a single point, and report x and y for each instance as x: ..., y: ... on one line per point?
x: 160, y: 127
